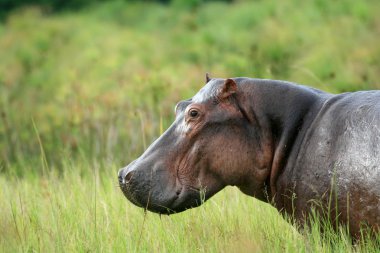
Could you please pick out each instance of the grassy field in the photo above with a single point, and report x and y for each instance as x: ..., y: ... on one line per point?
x: 84, y: 92
x: 74, y: 212
x: 77, y: 212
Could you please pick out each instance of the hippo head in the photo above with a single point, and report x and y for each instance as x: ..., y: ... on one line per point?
x: 213, y: 142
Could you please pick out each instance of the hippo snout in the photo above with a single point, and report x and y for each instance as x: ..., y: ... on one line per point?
x: 162, y: 180
x: 149, y: 187
x: 125, y: 177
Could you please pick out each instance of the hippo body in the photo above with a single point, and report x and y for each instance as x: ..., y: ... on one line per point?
x: 338, y: 161
x: 296, y: 147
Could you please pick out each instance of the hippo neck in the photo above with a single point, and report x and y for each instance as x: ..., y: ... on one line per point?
x: 283, y: 112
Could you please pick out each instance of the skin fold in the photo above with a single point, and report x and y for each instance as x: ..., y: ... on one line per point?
x: 296, y: 147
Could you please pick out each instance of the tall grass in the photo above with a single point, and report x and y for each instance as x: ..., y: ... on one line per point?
x: 83, y: 93
x: 87, y: 212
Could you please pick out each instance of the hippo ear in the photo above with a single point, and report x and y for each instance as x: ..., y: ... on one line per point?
x: 229, y: 87
x: 207, y: 78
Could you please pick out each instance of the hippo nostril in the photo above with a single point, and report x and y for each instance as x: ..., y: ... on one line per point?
x: 124, y: 176
x: 128, y: 177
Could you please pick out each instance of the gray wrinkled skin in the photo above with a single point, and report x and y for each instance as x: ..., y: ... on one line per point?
x: 293, y: 146
x: 341, y: 152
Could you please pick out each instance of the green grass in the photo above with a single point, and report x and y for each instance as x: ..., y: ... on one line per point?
x: 86, y: 212
x: 83, y: 93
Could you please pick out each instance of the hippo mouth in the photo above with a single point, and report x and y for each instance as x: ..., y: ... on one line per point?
x: 184, y: 199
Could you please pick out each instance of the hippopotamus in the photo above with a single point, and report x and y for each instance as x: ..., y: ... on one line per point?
x: 295, y: 147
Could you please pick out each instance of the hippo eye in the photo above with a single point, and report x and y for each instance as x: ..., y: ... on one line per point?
x: 193, y: 113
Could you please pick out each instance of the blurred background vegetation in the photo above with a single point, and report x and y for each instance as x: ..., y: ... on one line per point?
x: 98, y: 80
